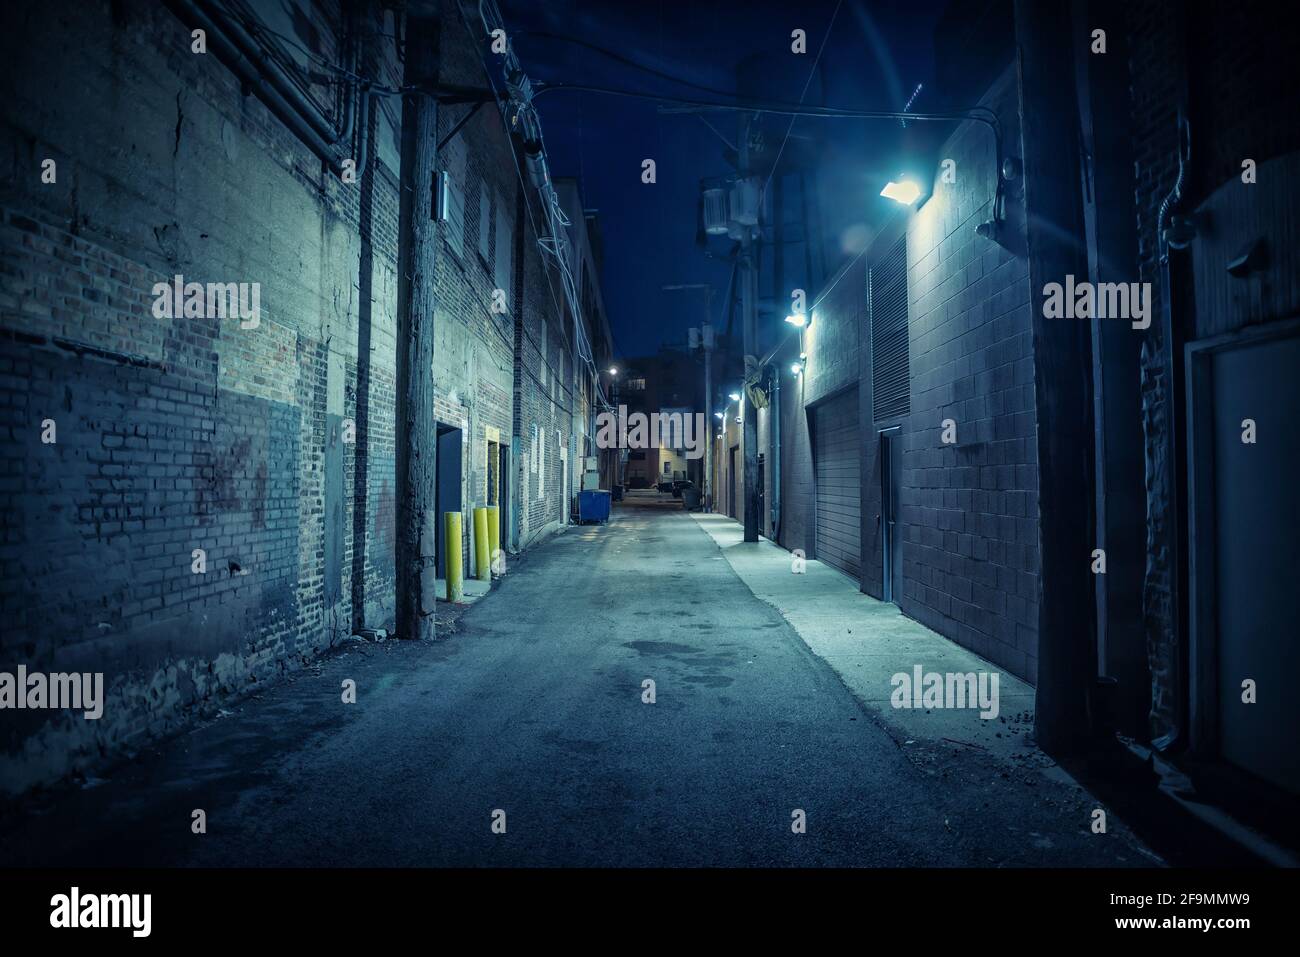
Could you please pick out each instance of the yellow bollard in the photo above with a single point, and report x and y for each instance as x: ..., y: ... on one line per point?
x: 451, y: 542
x: 482, y: 567
x: 494, y: 536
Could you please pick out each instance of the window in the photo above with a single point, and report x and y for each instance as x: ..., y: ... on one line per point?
x: 455, y: 167
x: 484, y: 223
x: 668, y: 467
x: 636, y: 385
x: 505, y: 249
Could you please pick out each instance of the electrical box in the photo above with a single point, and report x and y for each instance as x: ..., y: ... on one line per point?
x: 715, y: 211
x: 744, y: 202
x: 441, y: 196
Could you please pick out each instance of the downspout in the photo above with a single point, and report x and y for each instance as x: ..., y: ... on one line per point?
x: 1169, y: 238
x: 775, y: 418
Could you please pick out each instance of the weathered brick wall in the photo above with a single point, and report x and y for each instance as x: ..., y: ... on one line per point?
x: 970, y: 509
x: 176, y: 434
x: 511, y: 372
x: 1238, y: 65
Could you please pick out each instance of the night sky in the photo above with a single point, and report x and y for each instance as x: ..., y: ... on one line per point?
x: 874, y: 57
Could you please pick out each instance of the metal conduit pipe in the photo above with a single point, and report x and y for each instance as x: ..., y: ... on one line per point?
x: 288, y: 104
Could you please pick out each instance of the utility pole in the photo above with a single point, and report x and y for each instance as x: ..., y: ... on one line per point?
x: 748, y: 300
x: 706, y: 336
x: 416, y: 563
x: 1049, y: 122
x: 706, y: 343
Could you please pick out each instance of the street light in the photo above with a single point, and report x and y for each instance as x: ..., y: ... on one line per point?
x: 796, y: 368
x: 613, y: 371
x: 904, y: 191
x: 798, y: 319
x: 734, y: 396
x: 720, y: 415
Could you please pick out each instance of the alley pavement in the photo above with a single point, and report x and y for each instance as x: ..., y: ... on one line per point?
x: 536, y: 707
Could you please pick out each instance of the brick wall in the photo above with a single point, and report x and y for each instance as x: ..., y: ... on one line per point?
x: 1238, y: 69
x: 185, y: 433
x: 511, y: 373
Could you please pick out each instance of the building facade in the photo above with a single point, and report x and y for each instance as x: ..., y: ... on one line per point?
x: 1128, y: 559
x: 202, y: 496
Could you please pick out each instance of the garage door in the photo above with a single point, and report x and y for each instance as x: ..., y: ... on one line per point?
x: 837, y: 455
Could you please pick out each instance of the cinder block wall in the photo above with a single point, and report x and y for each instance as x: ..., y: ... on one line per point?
x: 970, y: 509
x: 177, y: 434
x: 832, y: 343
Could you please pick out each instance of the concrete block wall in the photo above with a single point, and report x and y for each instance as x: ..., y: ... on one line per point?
x: 186, y: 433
x: 832, y: 341
x: 970, y: 509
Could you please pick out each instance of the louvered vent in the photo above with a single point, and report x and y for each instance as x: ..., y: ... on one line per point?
x: 890, y: 369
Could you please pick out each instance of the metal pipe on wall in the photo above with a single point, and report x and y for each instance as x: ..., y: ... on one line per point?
x: 281, y: 98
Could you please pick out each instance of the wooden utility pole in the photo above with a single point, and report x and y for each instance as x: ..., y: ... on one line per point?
x: 1049, y: 131
x: 749, y: 328
x: 416, y: 431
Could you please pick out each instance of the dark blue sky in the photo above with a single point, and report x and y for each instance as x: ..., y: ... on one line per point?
x: 875, y: 55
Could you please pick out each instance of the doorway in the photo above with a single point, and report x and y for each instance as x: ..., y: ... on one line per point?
x: 1244, y: 452
x: 733, y: 496
x: 837, y: 454
x: 891, y: 474
x: 447, y: 494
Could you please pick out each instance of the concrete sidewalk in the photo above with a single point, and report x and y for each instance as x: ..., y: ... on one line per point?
x: 866, y: 642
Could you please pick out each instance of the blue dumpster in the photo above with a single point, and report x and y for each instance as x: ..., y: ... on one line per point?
x: 593, y: 505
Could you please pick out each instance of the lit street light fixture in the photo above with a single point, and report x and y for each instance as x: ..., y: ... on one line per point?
x: 904, y: 191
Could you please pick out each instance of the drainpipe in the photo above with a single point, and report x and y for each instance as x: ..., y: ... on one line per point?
x: 775, y: 418
x: 1169, y: 237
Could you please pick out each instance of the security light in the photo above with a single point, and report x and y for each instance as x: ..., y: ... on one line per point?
x: 796, y: 368
x: 905, y: 192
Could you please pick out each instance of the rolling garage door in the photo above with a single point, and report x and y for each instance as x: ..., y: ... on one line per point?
x: 837, y: 456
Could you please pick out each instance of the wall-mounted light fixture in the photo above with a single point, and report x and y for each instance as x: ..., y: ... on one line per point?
x: 797, y: 368
x: 904, y: 191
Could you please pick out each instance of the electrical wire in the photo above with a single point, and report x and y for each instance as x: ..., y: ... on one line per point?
x: 807, y: 83
x: 551, y: 241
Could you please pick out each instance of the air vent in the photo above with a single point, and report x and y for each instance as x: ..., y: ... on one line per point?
x: 890, y: 365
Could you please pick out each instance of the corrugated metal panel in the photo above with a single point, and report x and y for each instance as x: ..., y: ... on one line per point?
x: 838, y: 457
x: 890, y: 365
